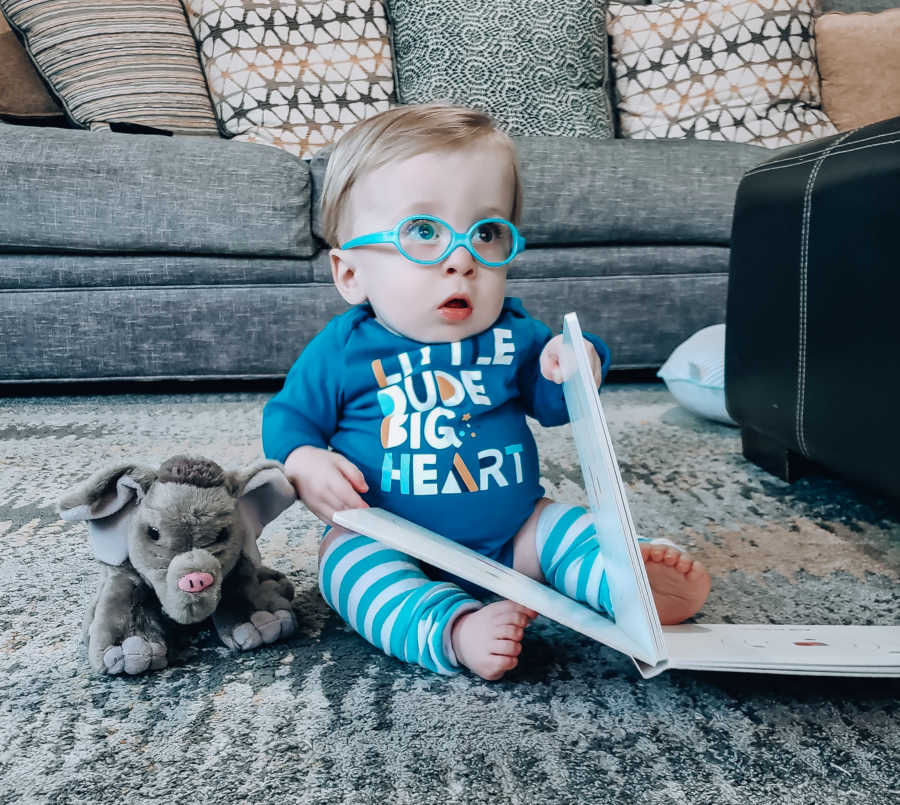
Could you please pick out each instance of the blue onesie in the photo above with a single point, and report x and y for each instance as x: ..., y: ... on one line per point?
x: 438, y: 430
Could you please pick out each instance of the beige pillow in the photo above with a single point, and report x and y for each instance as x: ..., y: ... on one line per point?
x: 859, y: 66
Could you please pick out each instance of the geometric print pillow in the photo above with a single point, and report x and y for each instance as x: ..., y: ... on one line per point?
x: 538, y: 67
x: 294, y: 75
x: 742, y: 70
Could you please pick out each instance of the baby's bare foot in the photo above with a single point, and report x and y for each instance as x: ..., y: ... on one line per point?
x: 679, y: 584
x: 488, y: 641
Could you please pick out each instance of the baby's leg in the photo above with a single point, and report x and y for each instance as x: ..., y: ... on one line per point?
x: 561, y: 540
x: 385, y: 597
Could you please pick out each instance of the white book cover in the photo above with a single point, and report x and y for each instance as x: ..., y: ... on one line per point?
x: 636, y: 630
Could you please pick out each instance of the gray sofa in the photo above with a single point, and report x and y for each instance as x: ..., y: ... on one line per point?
x: 126, y: 256
x: 146, y: 257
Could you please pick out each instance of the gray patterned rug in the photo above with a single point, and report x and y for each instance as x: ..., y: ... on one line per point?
x: 324, y: 718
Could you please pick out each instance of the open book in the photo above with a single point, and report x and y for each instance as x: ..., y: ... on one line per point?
x: 636, y: 630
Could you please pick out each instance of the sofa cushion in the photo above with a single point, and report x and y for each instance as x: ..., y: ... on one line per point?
x: 852, y: 6
x: 582, y: 191
x: 72, y: 190
x: 630, y: 191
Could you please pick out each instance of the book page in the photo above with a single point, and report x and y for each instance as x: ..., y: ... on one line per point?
x: 783, y: 649
x: 629, y: 587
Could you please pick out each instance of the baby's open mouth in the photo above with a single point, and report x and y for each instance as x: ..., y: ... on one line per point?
x: 455, y: 308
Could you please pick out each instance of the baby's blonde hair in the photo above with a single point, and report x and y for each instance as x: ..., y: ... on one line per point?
x: 401, y: 133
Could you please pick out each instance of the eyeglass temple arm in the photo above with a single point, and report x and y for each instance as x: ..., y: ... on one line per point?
x: 369, y: 240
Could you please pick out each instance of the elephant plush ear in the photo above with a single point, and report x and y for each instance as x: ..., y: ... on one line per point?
x: 263, y: 492
x: 108, y: 502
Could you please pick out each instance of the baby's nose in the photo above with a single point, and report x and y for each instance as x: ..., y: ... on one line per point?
x: 460, y: 261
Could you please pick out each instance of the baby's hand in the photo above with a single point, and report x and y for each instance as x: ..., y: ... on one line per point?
x: 551, y: 365
x: 325, y: 481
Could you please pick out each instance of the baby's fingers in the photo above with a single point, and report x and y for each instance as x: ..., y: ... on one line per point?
x: 344, y: 496
x: 353, y: 474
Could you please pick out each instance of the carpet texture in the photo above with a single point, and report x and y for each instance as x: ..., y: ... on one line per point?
x: 325, y: 718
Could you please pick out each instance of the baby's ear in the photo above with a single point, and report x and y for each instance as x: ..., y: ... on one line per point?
x: 346, y: 278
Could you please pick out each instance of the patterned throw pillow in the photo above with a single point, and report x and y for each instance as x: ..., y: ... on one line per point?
x: 739, y: 70
x: 293, y: 74
x: 536, y: 66
x: 131, y: 61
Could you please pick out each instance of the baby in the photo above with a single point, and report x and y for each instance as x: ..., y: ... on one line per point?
x: 421, y: 391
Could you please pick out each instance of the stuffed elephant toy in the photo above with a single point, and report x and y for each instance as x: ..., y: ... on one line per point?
x: 178, y: 545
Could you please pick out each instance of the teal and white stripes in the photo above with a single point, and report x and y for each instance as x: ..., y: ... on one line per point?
x: 570, y: 555
x: 384, y: 595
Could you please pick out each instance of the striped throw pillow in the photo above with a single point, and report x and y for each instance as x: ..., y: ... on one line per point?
x: 125, y: 61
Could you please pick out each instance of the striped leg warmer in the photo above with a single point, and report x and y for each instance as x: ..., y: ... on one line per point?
x: 385, y: 597
x: 570, y: 556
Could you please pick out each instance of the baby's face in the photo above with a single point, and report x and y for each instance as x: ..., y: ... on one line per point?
x: 450, y: 300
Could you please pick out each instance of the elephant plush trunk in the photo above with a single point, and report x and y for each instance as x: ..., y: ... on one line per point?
x: 193, y: 586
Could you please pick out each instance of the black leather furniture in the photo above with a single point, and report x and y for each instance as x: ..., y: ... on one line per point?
x: 812, y: 364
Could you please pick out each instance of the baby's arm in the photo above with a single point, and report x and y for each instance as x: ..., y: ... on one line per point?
x: 299, y: 422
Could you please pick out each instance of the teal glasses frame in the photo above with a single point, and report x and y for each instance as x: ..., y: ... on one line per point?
x: 458, y: 239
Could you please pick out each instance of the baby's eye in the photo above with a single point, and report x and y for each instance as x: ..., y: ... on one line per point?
x: 486, y: 233
x: 421, y: 230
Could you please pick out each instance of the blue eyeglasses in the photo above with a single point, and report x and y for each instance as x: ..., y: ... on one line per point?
x: 427, y: 240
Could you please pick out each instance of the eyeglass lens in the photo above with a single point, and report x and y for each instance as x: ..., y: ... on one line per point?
x: 423, y: 239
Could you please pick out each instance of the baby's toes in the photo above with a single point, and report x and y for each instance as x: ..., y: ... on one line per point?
x: 697, y: 571
x: 657, y: 552
x: 671, y: 556
x: 505, y: 648
x: 497, y: 666
x: 685, y: 563
x: 510, y: 631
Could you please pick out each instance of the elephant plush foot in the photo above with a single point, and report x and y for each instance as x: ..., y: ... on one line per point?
x: 134, y: 656
x: 263, y: 627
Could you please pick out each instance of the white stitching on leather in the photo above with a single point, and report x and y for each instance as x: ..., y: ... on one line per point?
x: 807, y: 154
x: 800, y: 414
x: 765, y: 169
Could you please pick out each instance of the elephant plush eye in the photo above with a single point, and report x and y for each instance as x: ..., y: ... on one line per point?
x: 222, y: 536
x: 152, y: 533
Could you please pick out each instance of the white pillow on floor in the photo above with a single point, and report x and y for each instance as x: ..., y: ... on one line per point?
x: 695, y: 374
